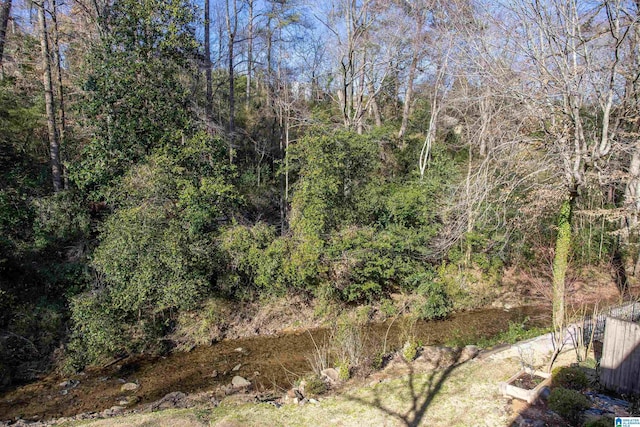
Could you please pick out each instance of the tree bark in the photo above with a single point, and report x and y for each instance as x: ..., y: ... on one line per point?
x: 408, y: 95
x: 5, y: 12
x: 231, y: 33
x: 61, y: 104
x: 561, y: 262
x: 207, y: 61
x: 375, y: 109
x: 249, y: 54
x: 54, y: 143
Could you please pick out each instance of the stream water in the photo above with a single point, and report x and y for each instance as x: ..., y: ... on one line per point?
x: 270, y: 362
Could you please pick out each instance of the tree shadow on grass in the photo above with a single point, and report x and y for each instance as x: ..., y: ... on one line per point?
x: 417, y: 389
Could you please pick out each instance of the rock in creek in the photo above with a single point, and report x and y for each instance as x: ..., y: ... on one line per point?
x: 113, y: 411
x: 176, y: 399
x: 239, y: 382
x: 129, y: 387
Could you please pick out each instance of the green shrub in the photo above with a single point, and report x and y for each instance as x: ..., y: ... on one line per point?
x: 61, y: 217
x: 378, y: 360
x: 365, y: 263
x: 98, y: 331
x: 568, y: 403
x: 388, y: 308
x: 344, y: 373
x: 255, y: 260
x: 434, y: 301
x: 571, y: 377
x: 157, y: 252
x: 600, y: 422
x: 410, y: 350
x: 314, y: 386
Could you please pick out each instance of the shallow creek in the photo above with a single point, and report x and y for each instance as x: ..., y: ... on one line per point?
x: 269, y: 362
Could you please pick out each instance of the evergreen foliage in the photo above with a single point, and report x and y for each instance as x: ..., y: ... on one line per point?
x: 136, y: 96
x: 157, y: 252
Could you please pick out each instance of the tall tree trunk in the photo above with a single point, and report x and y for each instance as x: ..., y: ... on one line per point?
x: 561, y: 261
x: 375, y: 109
x: 232, y: 26
x: 54, y: 143
x: 359, y: 100
x: 560, y: 266
x: 249, y: 54
x: 408, y: 95
x: 232, y: 95
x: 5, y: 12
x: 207, y: 61
x: 418, y: 42
x: 61, y: 108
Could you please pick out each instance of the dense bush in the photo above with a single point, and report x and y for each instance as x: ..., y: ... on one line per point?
x: 157, y: 252
x: 570, y: 377
x: 32, y: 333
x: 433, y: 300
x: 60, y: 218
x: 568, y: 403
x: 98, y: 330
x: 134, y: 93
x: 254, y: 260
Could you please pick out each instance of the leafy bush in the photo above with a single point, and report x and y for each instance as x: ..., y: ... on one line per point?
x: 60, y: 217
x: 388, y: 308
x: 570, y: 377
x: 366, y: 264
x: 157, y: 252
x: 98, y: 331
x: 410, y: 350
x: 255, y: 259
x: 600, y: 422
x: 135, y: 94
x: 434, y: 301
x: 334, y: 168
x: 568, y: 403
x: 314, y: 386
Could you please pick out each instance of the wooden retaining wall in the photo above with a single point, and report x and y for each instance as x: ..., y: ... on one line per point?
x: 620, y: 363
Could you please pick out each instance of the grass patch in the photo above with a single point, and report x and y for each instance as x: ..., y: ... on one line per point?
x: 517, y: 331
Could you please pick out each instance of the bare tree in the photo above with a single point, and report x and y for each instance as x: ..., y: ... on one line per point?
x: 232, y: 31
x: 417, y: 11
x: 425, y: 152
x: 566, y: 61
x: 54, y: 142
